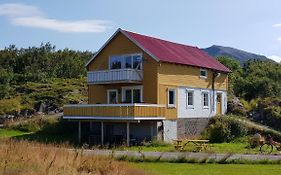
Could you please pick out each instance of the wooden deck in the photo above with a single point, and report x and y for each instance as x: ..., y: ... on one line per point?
x: 115, y: 110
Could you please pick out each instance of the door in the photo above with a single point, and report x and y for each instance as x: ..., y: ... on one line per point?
x: 132, y: 94
x: 112, y: 96
x: 219, y: 103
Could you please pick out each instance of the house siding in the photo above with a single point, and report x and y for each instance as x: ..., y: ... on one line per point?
x: 184, y: 75
x: 120, y: 45
x: 197, y: 110
x: 175, y: 76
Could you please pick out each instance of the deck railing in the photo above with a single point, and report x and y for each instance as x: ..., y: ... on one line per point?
x: 115, y: 75
x: 115, y: 110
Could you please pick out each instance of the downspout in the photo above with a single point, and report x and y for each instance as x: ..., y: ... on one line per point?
x: 213, y: 90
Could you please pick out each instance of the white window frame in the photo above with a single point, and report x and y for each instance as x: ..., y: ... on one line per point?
x: 187, y: 105
x: 132, y: 88
x: 203, y: 70
x: 112, y: 90
x: 123, y: 61
x: 208, y: 95
x: 168, y: 98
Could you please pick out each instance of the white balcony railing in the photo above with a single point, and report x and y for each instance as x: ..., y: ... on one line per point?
x: 115, y: 76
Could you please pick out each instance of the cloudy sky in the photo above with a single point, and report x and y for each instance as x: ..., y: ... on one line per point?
x: 252, y: 25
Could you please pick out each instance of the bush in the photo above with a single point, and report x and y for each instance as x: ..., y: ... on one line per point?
x: 224, y: 129
x: 270, y: 111
x: 9, y: 106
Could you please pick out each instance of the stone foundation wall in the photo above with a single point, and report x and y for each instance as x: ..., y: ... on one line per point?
x: 191, y: 127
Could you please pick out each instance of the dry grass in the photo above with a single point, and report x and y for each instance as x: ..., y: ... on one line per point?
x: 25, y: 158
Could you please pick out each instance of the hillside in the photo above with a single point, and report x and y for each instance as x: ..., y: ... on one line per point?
x: 240, y: 55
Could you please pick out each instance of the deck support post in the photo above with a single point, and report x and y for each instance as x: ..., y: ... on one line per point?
x: 102, y: 134
x: 151, y: 130
x: 128, y: 133
x: 79, y: 131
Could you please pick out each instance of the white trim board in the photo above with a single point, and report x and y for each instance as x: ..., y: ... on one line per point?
x: 111, y: 118
x: 117, y: 105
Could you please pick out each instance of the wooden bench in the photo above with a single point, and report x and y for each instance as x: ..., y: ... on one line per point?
x: 200, y: 145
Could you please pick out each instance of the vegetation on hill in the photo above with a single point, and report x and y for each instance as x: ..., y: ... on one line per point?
x: 41, y: 79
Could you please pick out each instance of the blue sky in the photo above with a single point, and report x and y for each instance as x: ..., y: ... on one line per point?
x: 251, y: 25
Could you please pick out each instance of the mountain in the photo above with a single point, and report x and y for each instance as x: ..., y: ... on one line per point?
x: 240, y: 55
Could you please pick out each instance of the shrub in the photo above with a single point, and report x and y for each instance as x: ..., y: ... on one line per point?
x: 224, y: 129
x: 9, y: 106
x: 270, y: 111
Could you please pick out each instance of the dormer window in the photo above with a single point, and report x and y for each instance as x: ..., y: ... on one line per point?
x: 129, y: 61
x: 203, y: 73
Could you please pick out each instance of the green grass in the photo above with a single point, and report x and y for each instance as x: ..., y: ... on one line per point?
x: 207, y: 169
x: 242, y: 148
x: 8, y: 133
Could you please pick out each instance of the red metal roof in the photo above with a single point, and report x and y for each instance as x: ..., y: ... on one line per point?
x: 171, y: 52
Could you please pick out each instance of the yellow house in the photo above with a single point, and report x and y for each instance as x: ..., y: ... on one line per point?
x: 141, y: 88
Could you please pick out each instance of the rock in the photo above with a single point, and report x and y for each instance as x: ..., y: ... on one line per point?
x: 236, y: 107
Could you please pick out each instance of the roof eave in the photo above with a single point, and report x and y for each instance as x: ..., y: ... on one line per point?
x: 139, y: 45
x: 130, y: 38
x: 103, y: 46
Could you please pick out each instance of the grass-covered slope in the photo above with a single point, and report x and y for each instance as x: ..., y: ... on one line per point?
x: 50, y: 96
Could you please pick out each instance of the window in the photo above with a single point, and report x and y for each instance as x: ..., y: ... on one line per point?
x: 171, y: 98
x: 205, y: 100
x: 112, y: 96
x: 203, y: 73
x: 190, y: 98
x: 132, y: 94
x: 115, y: 62
x: 130, y: 61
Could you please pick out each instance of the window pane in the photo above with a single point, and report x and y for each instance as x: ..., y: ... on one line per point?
x: 137, y: 62
x: 203, y: 73
x: 206, y: 99
x: 136, y: 96
x: 112, y: 97
x: 128, y: 96
x: 190, y: 98
x: 128, y: 62
x: 115, y: 62
x: 171, y: 97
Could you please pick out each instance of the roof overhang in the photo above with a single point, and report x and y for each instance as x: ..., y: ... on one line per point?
x: 130, y: 38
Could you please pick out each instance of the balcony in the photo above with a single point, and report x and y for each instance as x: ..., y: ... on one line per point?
x: 114, y: 111
x: 115, y: 76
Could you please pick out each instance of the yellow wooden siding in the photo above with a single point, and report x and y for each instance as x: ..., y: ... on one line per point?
x: 115, y: 111
x: 120, y: 45
x: 183, y: 75
x: 171, y: 113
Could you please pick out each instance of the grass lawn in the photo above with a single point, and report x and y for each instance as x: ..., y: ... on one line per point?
x: 5, y: 133
x: 207, y: 169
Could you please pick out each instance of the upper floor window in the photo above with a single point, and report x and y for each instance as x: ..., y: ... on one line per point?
x: 203, y: 73
x: 171, y: 98
x: 131, y: 61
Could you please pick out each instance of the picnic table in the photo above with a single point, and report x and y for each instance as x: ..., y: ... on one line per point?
x: 200, y: 145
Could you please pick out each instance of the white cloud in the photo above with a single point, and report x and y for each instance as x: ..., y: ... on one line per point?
x: 276, y: 25
x: 275, y: 58
x: 62, y: 26
x: 16, y: 10
x: 31, y: 16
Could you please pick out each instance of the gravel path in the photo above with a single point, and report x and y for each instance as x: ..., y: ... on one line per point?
x: 187, y: 155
